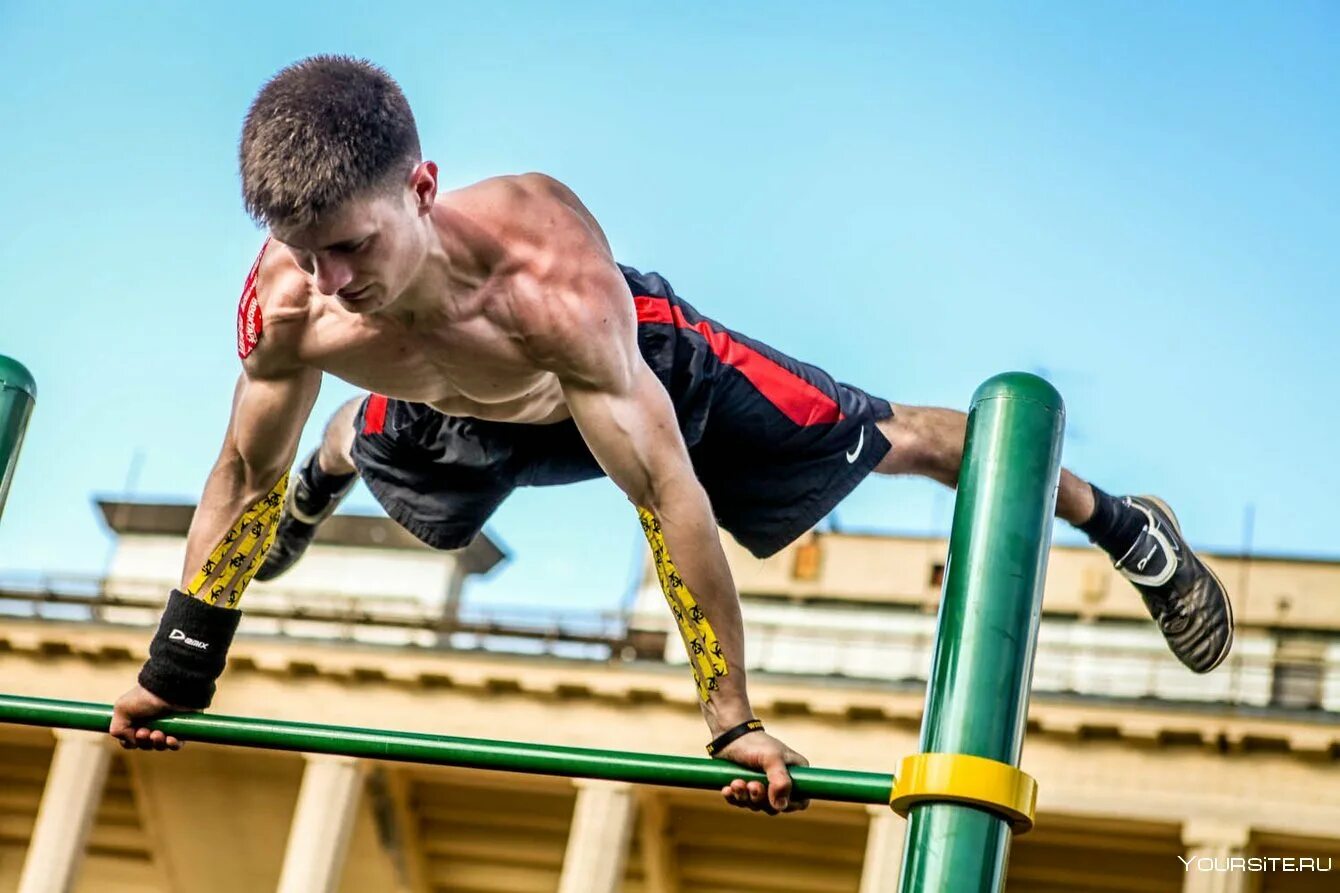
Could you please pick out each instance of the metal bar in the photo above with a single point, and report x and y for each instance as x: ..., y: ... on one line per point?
x: 474, y: 753
x: 18, y: 393
x: 977, y: 693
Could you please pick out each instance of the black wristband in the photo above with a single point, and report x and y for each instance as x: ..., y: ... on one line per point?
x: 726, y: 737
x: 189, y: 651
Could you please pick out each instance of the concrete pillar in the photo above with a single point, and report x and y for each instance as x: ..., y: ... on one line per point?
x: 602, y: 828
x: 883, y: 850
x: 319, y: 836
x: 1210, y: 845
x: 660, y: 868
x: 69, y: 801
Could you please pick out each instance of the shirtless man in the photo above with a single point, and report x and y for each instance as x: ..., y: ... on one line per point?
x: 503, y: 346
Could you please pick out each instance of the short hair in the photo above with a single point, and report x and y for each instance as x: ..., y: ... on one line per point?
x: 320, y: 132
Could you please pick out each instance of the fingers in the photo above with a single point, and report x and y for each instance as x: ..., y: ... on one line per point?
x: 797, y: 803
x: 772, y: 798
x: 136, y: 706
x: 146, y: 739
x: 153, y: 739
x: 752, y: 795
x: 779, y: 784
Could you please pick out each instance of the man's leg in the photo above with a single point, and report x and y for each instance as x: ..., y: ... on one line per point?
x: 318, y: 486
x: 928, y: 442
x: 1139, y: 533
x: 338, y: 440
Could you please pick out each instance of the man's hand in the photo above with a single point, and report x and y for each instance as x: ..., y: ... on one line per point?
x: 759, y: 750
x: 135, y: 706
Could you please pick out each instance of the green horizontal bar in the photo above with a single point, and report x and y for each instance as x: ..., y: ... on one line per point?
x: 444, y: 750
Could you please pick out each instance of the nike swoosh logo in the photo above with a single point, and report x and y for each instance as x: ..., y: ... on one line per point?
x: 851, y: 457
x: 1144, y: 561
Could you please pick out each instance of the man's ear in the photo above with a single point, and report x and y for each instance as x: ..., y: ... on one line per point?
x: 423, y: 183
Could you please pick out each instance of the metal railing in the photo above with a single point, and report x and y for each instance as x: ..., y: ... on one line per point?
x: 338, y: 617
x: 1249, y: 677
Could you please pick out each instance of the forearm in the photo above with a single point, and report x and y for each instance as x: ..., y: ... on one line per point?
x: 697, y: 582
x: 230, y: 533
x: 237, y: 513
x: 233, y: 491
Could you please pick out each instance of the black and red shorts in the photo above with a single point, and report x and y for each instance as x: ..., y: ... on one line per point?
x: 775, y: 442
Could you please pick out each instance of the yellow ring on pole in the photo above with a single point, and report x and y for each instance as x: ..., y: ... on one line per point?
x: 962, y: 778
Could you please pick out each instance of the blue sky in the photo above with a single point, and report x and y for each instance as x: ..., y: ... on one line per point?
x: 1139, y: 200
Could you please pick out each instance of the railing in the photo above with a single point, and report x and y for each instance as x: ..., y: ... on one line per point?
x: 1250, y: 676
x: 336, y: 617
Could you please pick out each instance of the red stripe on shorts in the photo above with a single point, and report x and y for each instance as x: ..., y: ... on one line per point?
x: 798, y: 400
x: 374, y: 417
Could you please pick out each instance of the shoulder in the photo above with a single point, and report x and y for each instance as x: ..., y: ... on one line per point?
x: 562, y: 289
x: 555, y: 249
x: 517, y: 188
x: 271, y: 312
x: 528, y: 211
x: 574, y: 313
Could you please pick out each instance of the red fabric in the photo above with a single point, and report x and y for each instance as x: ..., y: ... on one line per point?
x: 249, y: 322
x: 799, y: 400
x: 374, y: 417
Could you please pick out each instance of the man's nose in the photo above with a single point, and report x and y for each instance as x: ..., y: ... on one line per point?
x: 331, y: 276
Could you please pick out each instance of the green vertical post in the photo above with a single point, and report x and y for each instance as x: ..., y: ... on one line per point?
x: 18, y: 392
x: 982, y: 667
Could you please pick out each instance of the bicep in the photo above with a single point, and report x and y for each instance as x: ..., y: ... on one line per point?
x: 633, y: 433
x: 268, y: 416
x: 587, y: 336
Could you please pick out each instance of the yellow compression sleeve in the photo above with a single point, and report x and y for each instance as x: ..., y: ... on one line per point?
x: 705, y: 658
x: 240, y: 553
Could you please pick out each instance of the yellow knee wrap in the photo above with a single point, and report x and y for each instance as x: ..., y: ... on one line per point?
x: 239, y: 554
x: 705, y: 658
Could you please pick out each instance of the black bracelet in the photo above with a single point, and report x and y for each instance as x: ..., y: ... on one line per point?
x: 189, y: 651
x: 744, y: 728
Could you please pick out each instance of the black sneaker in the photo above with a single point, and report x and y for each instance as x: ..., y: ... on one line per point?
x: 304, y: 510
x: 1184, y: 596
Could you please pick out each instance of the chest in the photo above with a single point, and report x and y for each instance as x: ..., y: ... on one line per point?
x: 431, y: 360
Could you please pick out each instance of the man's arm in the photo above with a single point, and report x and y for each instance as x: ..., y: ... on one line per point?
x: 586, y: 332
x: 268, y: 415
x: 231, y: 528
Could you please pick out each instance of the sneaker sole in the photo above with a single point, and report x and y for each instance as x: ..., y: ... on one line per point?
x: 1228, y: 603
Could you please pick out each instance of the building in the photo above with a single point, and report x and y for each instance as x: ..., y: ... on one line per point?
x: 1149, y: 777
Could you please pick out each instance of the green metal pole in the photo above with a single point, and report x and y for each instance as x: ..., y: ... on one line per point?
x: 982, y: 667
x: 474, y: 753
x: 18, y: 392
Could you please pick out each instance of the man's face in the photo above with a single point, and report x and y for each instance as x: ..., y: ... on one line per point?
x: 364, y: 253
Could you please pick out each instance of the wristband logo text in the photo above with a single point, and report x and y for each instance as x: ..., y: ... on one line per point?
x: 178, y: 636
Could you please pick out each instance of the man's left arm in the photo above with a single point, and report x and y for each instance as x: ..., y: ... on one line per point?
x: 628, y: 421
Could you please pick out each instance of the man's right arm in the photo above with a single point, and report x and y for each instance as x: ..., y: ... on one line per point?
x: 259, y: 447
x: 232, y: 527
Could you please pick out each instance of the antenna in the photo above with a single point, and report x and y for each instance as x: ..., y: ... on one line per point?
x: 128, y: 489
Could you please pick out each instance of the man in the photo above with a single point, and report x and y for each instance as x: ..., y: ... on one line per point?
x: 503, y: 346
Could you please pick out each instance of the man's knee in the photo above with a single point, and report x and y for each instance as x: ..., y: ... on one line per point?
x: 338, y: 441
x: 923, y: 440
x: 900, y: 430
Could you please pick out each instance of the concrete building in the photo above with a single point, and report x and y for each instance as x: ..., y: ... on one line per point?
x: 1151, y: 778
